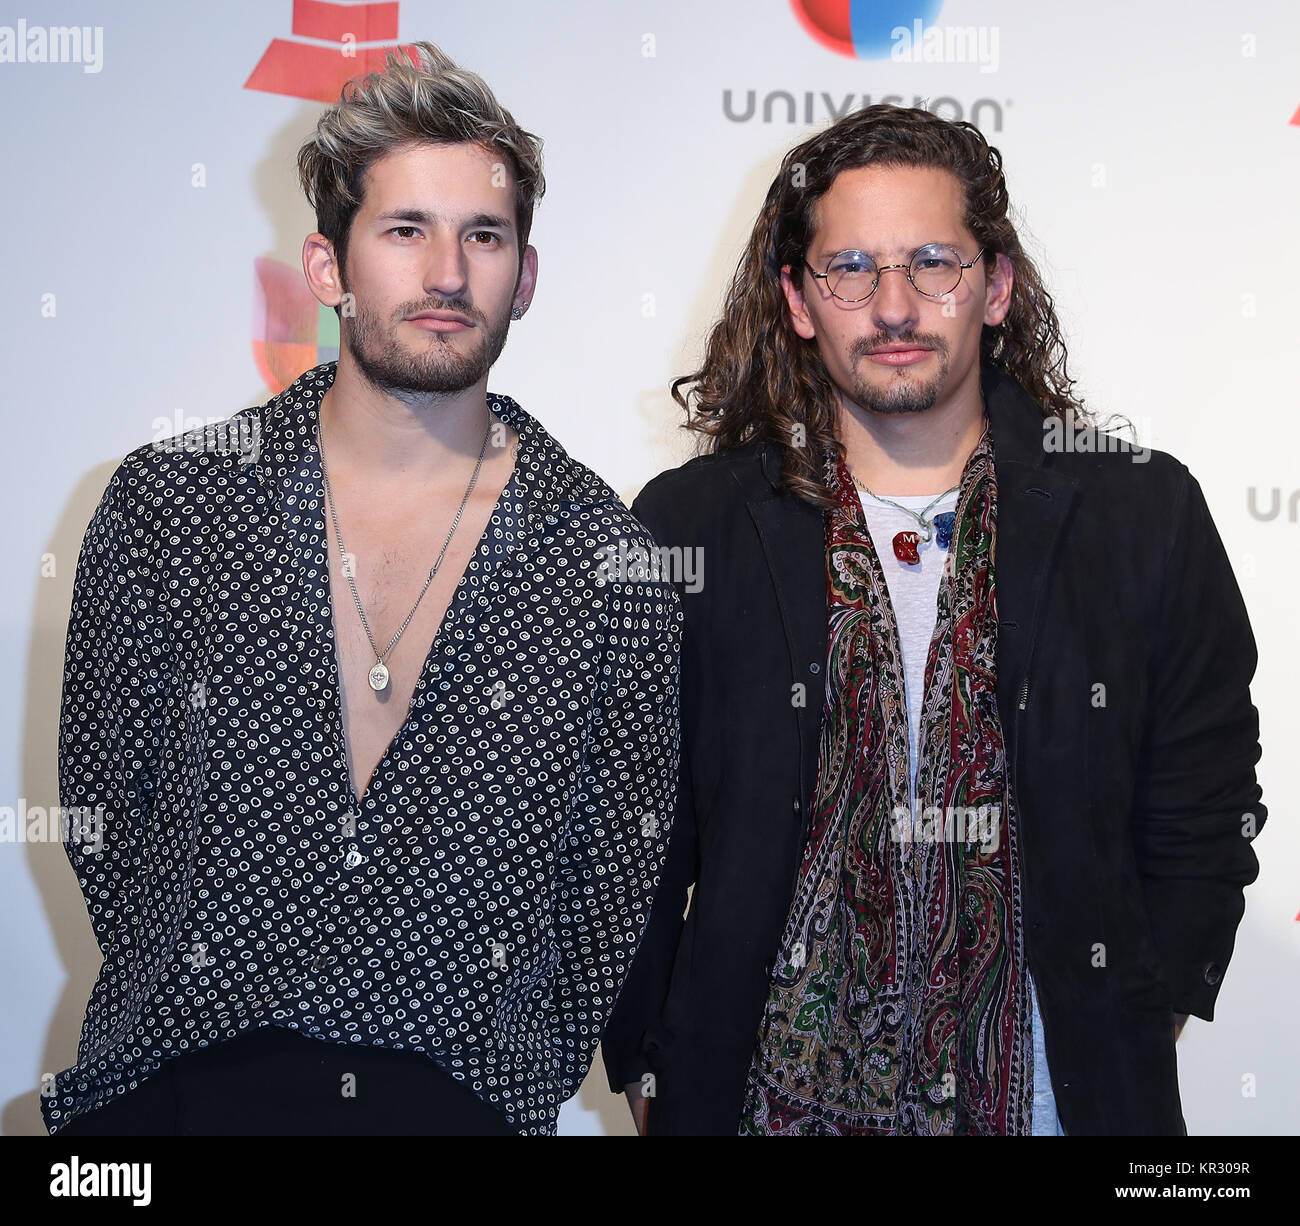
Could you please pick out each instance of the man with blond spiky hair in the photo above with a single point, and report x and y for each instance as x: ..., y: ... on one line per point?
x: 385, y: 755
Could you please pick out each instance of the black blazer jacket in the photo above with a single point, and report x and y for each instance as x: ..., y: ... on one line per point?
x: 1124, y: 662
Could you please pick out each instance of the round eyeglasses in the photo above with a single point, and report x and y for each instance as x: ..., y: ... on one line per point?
x: 934, y: 270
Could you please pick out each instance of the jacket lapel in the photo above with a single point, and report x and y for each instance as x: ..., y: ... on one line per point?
x: 1034, y: 502
x: 793, y: 537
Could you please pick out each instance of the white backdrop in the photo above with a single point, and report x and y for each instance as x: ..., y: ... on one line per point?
x: 1151, y: 150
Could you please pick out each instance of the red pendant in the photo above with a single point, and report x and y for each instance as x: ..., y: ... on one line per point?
x: 905, y: 544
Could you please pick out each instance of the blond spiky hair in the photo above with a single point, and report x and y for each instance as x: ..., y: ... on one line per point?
x: 406, y: 103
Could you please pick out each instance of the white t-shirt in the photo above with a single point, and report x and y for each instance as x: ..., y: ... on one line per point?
x: 913, y: 591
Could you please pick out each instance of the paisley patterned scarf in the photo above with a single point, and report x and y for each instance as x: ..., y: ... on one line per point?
x: 899, y: 1001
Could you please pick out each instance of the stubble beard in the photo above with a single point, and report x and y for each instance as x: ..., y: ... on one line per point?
x: 396, y: 368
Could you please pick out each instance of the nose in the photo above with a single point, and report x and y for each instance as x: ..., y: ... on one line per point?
x: 446, y: 271
x: 894, y: 304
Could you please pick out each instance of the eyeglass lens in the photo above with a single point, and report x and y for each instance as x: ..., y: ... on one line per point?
x: 935, y: 271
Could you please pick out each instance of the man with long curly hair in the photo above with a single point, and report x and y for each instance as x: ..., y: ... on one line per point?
x: 968, y: 784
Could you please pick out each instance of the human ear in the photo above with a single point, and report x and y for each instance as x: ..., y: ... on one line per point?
x: 799, y: 316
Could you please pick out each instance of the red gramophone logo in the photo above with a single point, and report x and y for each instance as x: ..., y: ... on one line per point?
x: 331, y: 44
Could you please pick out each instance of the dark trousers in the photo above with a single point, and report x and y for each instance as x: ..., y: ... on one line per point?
x: 272, y: 1081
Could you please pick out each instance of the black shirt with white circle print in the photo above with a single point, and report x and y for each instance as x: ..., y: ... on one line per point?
x: 484, y: 902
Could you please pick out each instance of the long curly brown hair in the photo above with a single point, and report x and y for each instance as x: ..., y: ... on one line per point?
x: 761, y: 381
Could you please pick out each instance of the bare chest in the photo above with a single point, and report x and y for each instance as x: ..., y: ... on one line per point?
x: 391, y: 596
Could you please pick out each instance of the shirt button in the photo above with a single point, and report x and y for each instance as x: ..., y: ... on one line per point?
x: 354, y: 857
x: 1213, y: 973
x: 814, y: 668
x: 320, y: 962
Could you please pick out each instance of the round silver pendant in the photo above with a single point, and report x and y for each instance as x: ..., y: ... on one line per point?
x: 378, y: 676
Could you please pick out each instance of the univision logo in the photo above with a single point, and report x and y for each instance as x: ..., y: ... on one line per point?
x: 862, y: 29
x: 292, y: 332
x: 899, y: 30
x: 812, y: 106
x: 1274, y: 508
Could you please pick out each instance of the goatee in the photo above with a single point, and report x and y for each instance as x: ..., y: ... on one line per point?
x: 904, y: 392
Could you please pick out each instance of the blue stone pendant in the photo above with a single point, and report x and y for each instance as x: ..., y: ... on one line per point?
x: 943, y: 528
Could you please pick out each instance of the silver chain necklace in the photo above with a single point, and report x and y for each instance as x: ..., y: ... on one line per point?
x: 927, y: 526
x: 379, y: 674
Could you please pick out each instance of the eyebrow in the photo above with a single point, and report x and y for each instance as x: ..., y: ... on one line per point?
x: 827, y: 252
x: 422, y: 217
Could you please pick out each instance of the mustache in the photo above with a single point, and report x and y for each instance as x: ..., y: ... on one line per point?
x: 922, y: 340
x: 459, y: 305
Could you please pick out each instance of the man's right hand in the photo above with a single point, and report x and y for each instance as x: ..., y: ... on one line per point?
x: 639, y: 1104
